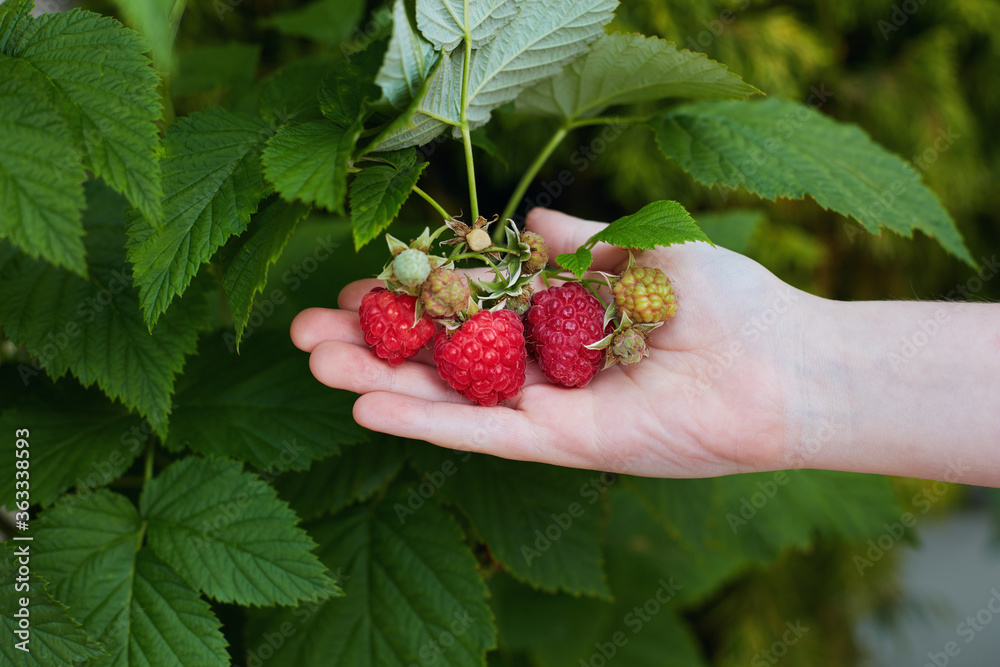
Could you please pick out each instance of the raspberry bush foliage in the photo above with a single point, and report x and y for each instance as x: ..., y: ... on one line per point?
x: 176, y: 180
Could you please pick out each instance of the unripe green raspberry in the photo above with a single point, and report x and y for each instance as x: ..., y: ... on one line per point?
x: 411, y: 267
x: 629, y: 347
x: 645, y: 295
x: 522, y: 302
x: 445, y: 293
x: 539, y: 252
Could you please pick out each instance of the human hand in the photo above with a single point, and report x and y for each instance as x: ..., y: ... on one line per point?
x: 713, y: 397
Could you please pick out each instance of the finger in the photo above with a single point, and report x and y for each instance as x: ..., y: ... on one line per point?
x: 345, y: 366
x: 317, y: 325
x: 498, y: 430
x: 564, y: 234
x: 350, y: 296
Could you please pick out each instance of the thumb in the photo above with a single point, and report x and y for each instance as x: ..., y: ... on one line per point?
x: 565, y: 233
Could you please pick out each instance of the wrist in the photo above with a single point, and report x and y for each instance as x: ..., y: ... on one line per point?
x: 902, y: 388
x: 837, y: 367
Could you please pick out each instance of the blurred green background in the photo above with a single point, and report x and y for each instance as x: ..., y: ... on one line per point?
x: 919, y: 77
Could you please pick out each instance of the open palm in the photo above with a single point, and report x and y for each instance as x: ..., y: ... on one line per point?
x: 712, y: 398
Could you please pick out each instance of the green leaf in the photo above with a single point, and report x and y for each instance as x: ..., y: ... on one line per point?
x: 15, y: 16
x: 576, y: 262
x: 94, y: 328
x: 290, y: 95
x: 107, y: 91
x: 563, y: 631
x: 345, y: 93
x: 776, y: 148
x: 328, y: 22
x: 641, y: 549
x: 336, y: 482
x: 733, y: 229
x: 425, y: 117
x: 79, y: 438
x: 447, y: 22
x: 40, y: 171
x: 252, y: 255
x: 629, y: 69
x: 85, y: 546
x: 263, y: 406
x: 378, y: 193
x: 535, y: 45
x: 408, y: 62
x: 309, y: 162
x: 55, y: 637
x: 171, y: 621
x: 227, y: 533
x: 405, y: 583
x: 532, y: 620
x: 662, y: 223
x: 214, y: 182
x: 543, y: 523
x: 760, y: 514
x: 545, y: 35
x: 134, y: 604
x: 151, y: 18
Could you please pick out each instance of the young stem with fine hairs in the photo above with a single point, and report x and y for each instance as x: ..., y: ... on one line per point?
x: 568, y: 125
x: 529, y: 175
x: 430, y: 200
x: 175, y: 17
x: 466, y: 135
x: 148, y: 472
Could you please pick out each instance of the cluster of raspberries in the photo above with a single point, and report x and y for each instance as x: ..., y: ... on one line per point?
x: 484, y: 359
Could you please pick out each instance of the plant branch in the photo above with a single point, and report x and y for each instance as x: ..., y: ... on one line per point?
x: 175, y: 18
x: 473, y: 198
x: 430, y: 200
x: 607, y: 120
x: 375, y: 130
x: 438, y: 232
x: 148, y: 472
x: 480, y: 255
x: 457, y: 251
x: 466, y: 135
x: 532, y: 171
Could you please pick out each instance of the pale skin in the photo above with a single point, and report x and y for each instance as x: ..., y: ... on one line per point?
x: 751, y: 375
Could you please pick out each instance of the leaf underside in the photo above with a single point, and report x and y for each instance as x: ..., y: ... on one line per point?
x: 535, y: 44
x: 628, y: 69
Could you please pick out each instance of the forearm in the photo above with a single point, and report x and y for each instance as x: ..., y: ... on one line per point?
x: 901, y: 388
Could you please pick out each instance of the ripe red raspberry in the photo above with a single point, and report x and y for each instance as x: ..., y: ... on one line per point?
x: 387, y: 322
x: 561, y: 321
x: 484, y: 360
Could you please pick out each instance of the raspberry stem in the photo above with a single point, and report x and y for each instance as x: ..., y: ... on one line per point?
x: 480, y: 255
x: 430, y: 200
x: 464, y: 126
x: 529, y: 175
